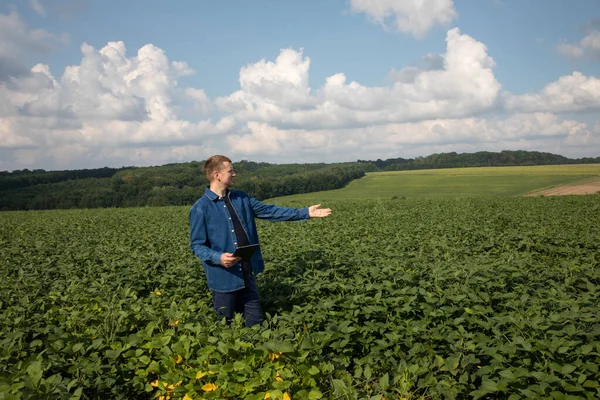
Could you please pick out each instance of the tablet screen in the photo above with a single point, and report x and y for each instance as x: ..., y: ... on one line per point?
x: 245, y: 251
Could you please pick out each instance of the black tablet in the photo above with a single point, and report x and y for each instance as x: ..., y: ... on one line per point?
x: 245, y: 251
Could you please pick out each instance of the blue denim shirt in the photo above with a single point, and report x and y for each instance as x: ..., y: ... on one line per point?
x: 212, y: 234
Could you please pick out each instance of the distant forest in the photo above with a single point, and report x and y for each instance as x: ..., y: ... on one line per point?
x: 182, y: 183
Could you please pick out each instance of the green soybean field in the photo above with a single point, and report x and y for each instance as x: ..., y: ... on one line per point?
x: 418, y: 298
x: 457, y: 182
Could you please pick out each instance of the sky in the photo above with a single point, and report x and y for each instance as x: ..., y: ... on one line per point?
x: 88, y: 84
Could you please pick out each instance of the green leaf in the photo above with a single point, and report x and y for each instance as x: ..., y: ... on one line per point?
x: 384, y: 382
x: 113, y: 353
x: 314, y: 394
x: 34, y: 370
x: 77, y: 394
x: 557, y: 395
x: 586, y: 349
x: 489, y: 386
x: 507, y: 374
x: 367, y: 372
x: 77, y: 347
x: 307, y: 343
x: 567, y: 369
x: 144, y: 360
x: 339, y: 387
x: 313, y: 370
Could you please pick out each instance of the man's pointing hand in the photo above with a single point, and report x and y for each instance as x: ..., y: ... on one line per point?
x: 317, y: 212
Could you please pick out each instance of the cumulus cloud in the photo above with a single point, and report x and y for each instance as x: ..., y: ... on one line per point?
x: 538, y: 131
x: 431, y: 62
x: 414, y: 17
x: 109, y: 103
x: 201, y: 101
x: 267, y: 86
x: 588, y: 46
x: 114, y: 108
x: 571, y: 93
x: 459, y: 83
x: 16, y: 39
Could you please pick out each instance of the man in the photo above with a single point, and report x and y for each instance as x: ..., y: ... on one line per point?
x: 223, y: 220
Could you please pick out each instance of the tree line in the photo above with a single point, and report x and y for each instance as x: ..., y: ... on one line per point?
x: 171, y: 184
x: 503, y: 158
x: 182, y: 183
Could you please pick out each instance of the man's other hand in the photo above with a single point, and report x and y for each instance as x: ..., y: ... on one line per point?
x: 228, y: 260
x: 317, y: 212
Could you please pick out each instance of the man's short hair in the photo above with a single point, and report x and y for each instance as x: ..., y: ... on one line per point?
x: 213, y: 164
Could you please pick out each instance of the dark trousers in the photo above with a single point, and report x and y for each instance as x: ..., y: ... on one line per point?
x: 245, y: 301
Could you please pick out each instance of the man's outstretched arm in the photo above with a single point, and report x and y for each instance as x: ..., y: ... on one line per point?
x: 277, y: 213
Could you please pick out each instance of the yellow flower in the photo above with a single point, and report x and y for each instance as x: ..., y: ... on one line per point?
x: 174, y: 323
x: 171, y: 387
x: 186, y: 397
x: 286, y: 396
x: 274, y: 356
x: 178, y: 359
x: 158, y: 293
x: 200, y: 374
x: 209, y: 387
x: 277, y: 377
x: 154, y: 383
x: 267, y: 396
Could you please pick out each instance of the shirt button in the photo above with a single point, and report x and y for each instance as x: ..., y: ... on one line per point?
x: 232, y: 230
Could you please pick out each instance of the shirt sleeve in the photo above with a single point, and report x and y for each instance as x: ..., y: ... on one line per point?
x: 199, y: 242
x: 273, y: 212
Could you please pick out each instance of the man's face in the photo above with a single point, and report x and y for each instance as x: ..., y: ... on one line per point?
x: 226, y: 174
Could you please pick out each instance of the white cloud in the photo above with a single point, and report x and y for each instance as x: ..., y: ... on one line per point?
x: 16, y: 39
x: 575, y: 92
x: 459, y: 83
x: 591, y: 42
x: 107, y: 85
x: 415, y: 17
x: 539, y: 131
x: 201, y: 101
x: 570, y: 50
x: 267, y: 86
x: 431, y: 62
x: 114, y: 108
x: 108, y: 104
x: 37, y: 7
x: 589, y: 45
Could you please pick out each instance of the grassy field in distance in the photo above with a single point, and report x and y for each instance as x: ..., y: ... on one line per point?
x: 454, y: 182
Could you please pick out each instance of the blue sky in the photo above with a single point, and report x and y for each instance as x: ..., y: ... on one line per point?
x: 261, y: 80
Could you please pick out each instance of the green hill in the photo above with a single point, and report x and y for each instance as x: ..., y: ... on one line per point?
x: 455, y: 182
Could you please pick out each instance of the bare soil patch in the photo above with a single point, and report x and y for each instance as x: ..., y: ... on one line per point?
x: 590, y: 187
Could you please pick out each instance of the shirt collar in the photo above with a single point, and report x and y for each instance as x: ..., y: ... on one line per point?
x: 212, y: 195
